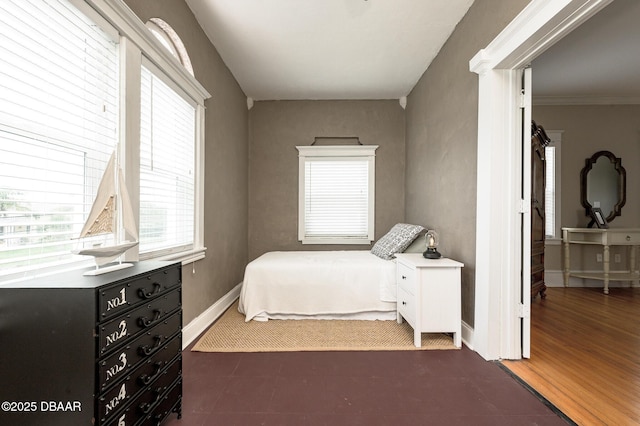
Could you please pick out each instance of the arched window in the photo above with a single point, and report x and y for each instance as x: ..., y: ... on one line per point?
x: 170, y: 40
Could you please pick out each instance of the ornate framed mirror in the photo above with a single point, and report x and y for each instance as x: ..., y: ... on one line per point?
x: 603, y: 184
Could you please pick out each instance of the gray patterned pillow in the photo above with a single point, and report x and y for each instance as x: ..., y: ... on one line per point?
x: 396, y: 240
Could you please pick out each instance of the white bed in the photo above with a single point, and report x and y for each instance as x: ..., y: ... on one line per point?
x: 319, y: 285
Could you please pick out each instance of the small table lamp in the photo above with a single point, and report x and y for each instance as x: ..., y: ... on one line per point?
x: 432, y: 242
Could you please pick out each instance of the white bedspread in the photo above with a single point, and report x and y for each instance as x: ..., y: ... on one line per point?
x: 323, y: 284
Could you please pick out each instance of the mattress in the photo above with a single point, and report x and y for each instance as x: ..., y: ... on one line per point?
x: 320, y: 285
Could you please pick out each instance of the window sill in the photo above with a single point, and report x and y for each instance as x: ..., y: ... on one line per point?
x: 185, y: 257
x: 329, y: 241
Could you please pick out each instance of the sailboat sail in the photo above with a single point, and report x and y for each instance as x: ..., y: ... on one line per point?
x: 101, y: 218
x: 112, y: 198
x: 128, y: 218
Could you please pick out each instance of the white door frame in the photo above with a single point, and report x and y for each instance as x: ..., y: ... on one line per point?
x: 524, y: 237
x: 497, y: 333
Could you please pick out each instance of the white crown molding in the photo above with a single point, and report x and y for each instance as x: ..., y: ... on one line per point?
x: 586, y: 100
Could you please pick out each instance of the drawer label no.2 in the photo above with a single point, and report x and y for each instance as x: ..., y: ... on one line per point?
x: 118, y: 334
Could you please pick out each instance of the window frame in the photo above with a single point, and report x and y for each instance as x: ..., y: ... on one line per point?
x: 360, y: 153
x: 160, y: 76
x: 138, y: 44
x: 556, y: 142
x: 137, y: 41
x: 171, y: 40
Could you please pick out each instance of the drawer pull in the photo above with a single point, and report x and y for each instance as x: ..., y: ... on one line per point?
x: 145, y: 322
x: 404, y: 303
x: 147, y: 406
x: 148, y: 350
x: 145, y: 379
x: 145, y: 295
x: 404, y: 277
x: 628, y: 238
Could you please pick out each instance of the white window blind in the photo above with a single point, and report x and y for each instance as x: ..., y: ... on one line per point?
x: 58, y: 127
x: 336, y: 198
x: 337, y: 195
x: 550, y: 191
x: 167, y: 166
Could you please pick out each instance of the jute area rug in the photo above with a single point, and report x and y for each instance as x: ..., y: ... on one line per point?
x: 230, y: 333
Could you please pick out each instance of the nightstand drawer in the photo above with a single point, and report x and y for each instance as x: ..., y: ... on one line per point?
x: 406, y: 278
x: 407, y: 307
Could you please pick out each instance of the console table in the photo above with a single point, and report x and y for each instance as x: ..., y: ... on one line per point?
x: 605, y: 238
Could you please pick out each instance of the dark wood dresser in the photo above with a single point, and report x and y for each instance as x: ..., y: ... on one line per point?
x: 103, y: 350
x: 539, y: 141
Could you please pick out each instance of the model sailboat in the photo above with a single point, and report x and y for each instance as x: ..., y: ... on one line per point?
x: 112, y: 203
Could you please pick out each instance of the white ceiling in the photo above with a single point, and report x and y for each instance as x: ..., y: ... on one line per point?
x: 328, y: 49
x: 599, y: 62
x: 379, y: 49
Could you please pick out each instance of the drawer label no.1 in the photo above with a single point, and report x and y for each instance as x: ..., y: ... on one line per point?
x: 118, y: 301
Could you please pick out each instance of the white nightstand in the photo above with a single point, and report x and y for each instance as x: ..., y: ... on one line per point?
x: 429, y: 295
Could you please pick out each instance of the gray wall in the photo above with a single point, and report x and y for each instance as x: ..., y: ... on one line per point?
x: 588, y: 129
x: 226, y: 166
x: 438, y: 179
x: 277, y: 127
x: 442, y: 132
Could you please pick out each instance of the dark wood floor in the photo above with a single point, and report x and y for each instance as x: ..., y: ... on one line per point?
x: 355, y: 388
x: 585, y: 354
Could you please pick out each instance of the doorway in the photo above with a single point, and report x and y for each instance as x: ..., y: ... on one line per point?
x: 498, y: 270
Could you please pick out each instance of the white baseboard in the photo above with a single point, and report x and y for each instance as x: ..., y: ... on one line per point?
x: 553, y: 278
x: 467, y: 335
x: 199, y: 324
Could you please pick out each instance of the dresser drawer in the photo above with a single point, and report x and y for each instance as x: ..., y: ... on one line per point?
x: 117, y: 331
x: 407, y: 306
x: 144, y: 345
x: 112, y: 401
x: 119, y: 365
x: 146, y: 401
x: 168, y: 404
x: 117, y: 298
x: 154, y: 393
x: 147, y: 372
x: 406, y: 278
x: 152, y: 341
x: 623, y: 238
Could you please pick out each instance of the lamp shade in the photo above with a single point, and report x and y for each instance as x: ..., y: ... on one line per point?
x: 432, y: 240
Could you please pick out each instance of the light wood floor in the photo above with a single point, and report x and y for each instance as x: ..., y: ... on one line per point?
x: 585, y: 354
